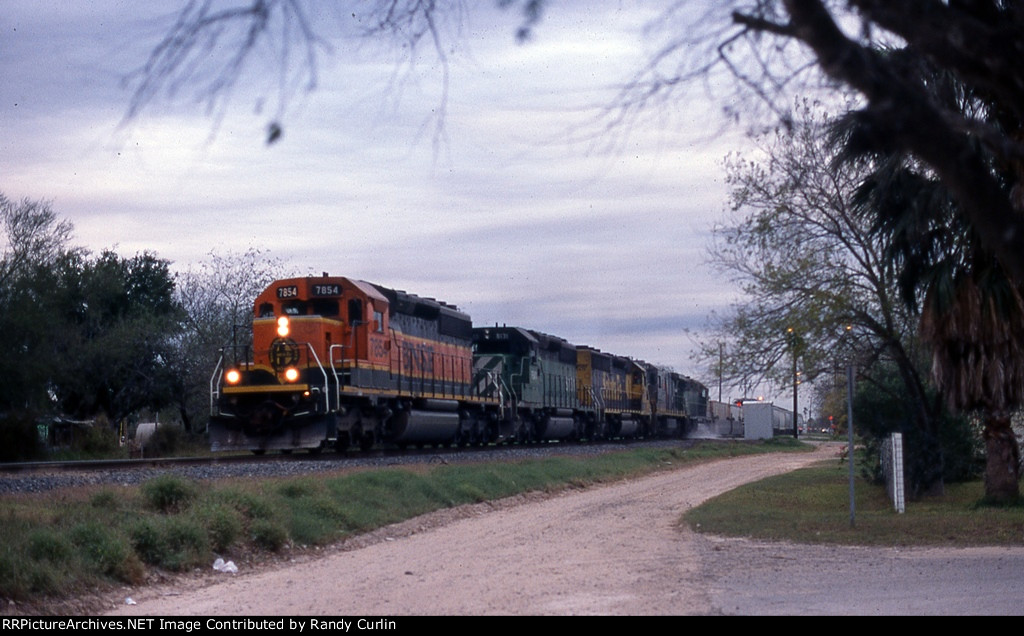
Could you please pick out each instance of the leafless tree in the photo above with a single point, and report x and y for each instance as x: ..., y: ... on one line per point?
x: 212, y: 47
x: 216, y: 297
x: 31, y: 233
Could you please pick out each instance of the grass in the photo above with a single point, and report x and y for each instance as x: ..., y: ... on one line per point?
x: 812, y: 505
x: 64, y: 543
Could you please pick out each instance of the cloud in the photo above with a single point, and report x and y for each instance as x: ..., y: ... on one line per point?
x: 525, y: 214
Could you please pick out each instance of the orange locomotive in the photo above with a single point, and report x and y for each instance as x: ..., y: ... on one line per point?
x: 341, y: 361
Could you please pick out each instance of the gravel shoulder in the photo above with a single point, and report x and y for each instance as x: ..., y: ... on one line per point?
x: 610, y: 550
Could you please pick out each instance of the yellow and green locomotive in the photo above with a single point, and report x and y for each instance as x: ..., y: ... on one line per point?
x: 534, y: 378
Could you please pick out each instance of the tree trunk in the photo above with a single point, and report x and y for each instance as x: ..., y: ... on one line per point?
x: 186, y: 421
x: 1002, y: 459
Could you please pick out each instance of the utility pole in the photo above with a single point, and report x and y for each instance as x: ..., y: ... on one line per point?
x: 849, y: 414
x: 849, y: 428
x: 721, y: 357
x: 796, y: 380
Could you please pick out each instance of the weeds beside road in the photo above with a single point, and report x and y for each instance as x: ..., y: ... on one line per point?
x: 58, y: 545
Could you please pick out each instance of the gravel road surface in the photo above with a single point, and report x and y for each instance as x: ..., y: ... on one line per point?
x: 609, y: 550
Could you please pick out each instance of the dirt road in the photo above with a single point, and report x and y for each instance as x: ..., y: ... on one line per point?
x: 613, y: 550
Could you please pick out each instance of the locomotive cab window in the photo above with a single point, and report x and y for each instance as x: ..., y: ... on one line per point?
x: 294, y: 308
x: 325, y: 307
x: 379, y: 318
x: 266, y: 310
x: 355, y: 312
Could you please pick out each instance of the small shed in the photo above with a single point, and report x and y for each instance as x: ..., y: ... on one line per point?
x: 143, y: 432
x: 758, y: 418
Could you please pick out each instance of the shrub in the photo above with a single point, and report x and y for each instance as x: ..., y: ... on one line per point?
x: 223, y: 525
x: 951, y: 452
x: 251, y: 505
x: 147, y: 541
x: 98, y: 440
x: 46, y: 545
x: 307, y: 528
x: 296, y: 488
x: 268, y: 534
x: 107, y: 552
x: 187, y: 544
x: 23, y: 578
x: 105, y: 500
x: 166, y: 440
x: 168, y: 493
x: 172, y: 543
x: 19, y: 438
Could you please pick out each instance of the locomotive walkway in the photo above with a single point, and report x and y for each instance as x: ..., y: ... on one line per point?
x: 613, y: 550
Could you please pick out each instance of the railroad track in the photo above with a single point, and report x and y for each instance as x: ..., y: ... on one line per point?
x: 35, y: 477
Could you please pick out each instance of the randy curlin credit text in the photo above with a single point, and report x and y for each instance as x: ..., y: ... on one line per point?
x: 299, y: 625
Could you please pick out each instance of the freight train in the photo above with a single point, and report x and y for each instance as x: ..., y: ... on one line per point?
x: 337, y: 362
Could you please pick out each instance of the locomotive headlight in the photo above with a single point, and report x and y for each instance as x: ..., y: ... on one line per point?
x: 282, y: 326
x: 233, y: 376
x: 291, y: 374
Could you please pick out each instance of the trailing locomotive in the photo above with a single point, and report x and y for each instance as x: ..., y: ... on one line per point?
x: 336, y: 362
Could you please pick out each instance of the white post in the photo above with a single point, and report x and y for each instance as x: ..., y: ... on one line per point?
x: 897, y: 472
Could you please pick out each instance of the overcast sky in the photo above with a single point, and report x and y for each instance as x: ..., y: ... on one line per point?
x: 508, y: 218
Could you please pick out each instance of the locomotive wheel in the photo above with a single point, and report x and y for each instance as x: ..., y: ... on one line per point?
x: 356, y: 435
x: 341, y: 444
x: 526, y: 433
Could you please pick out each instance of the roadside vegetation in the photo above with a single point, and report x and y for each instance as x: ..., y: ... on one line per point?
x: 72, y: 541
x: 812, y: 505
x: 96, y: 344
x: 67, y: 543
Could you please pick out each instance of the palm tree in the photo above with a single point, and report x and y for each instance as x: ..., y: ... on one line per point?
x: 975, y: 326
x: 971, y: 306
x: 972, y: 313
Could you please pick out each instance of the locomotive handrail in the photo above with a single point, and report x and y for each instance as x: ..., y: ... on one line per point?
x: 218, y: 371
x: 504, y: 391
x: 334, y: 371
x: 396, y: 348
x: 598, y: 402
x: 517, y: 376
x: 316, y: 358
x: 218, y: 374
